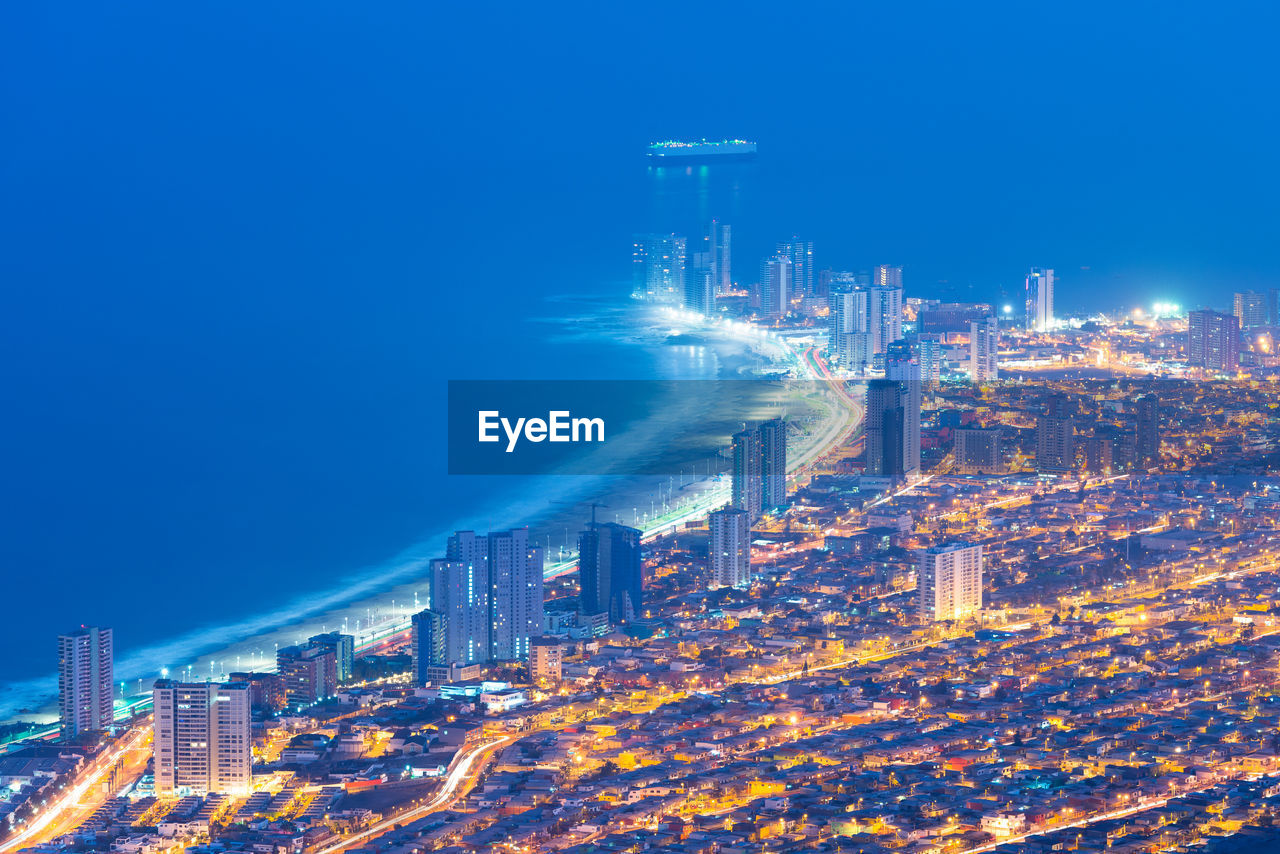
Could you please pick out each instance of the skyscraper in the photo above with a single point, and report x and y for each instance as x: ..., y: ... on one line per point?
x: 1250, y: 310
x: 429, y: 638
x: 1273, y: 306
x: 722, y: 255
x: 729, y: 554
x: 658, y: 267
x: 885, y: 416
x: 1039, y: 303
x: 700, y: 282
x: 884, y: 315
x: 775, y: 286
x: 849, y: 340
x: 888, y: 276
x: 949, y: 582
x: 610, y: 572
x: 748, y: 473
x: 1147, y: 431
x: 85, y: 681
x: 1055, y: 437
x: 773, y: 465
x: 902, y: 366
x: 202, y: 738
x: 802, y: 275
x: 929, y: 350
x: 515, y: 594
x: 460, y: 591
x: 984, y: 344
x: 1213, y: 340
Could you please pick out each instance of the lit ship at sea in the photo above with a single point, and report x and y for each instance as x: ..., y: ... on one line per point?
x: 674, y: 152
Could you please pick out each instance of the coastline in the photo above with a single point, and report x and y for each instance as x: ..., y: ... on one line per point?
x: 377, y: 600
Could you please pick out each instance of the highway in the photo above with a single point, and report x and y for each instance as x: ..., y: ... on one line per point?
x: 461, y: 777
x: 75, y: 804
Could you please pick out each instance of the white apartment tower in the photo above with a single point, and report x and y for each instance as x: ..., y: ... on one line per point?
x: 730, y: 549
x: 202, y: 738
x: 949, y: 582
x: 85, y: 681
x: 1039, y: 304
x: 984, y: 344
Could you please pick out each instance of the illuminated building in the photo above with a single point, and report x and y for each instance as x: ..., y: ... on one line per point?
x: 85, y: 681
x: 773, y: 465
x: 722, y: 255
x: 747, y: 491
x: 610, y: 572
x: 775, y: 286
x: 848, y: 337
x: 1055, y: 437
x: 884, y: 314
x: 730, y: 548
x: 1039, y: 299
x: 1213, y: 340
x: 309, y: 673
x: 429, y: 632
x: 929, y: 352
x: 658, y: 267
x: 343, y: 648
x: 885, y: 417
x: 1250, y: 310
x: 888, y: 276
x: 1147, y: 431
x: 546, y: 660
x: 978, y: 450
x: 460, y: 591
x: 800, y: 252
x: 950, y: 582
x: 902, y: 366
x: 984, y: 346
x: 490, y: 590
x: 202, y: 738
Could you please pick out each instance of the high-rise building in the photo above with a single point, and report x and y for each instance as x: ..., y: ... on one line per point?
x: 1273, y: 306
x: 929, y: 351
x: 1099, y: 453
x: 984, y: 345
x: 344, y: 651
x: 460, y: 591
x: 1250, y: 310
x: 722, y: 255
x: 658, y: 267
x: 978, y: 450
x: 775, y: 286
x: 202, y: 738
x: 729, y: 552
x: 515, y: 594
x: 888, y: 276
x: 773, y: 465
x: 309, y: 673
x: 901, y: 365
x: 949, y: 582
x: 266, y: 691
x: 429, y: 633
x: 802, y: 275
x: 85, y: 681
x: 884, y: 316
x: 1213, y: 340
x: 700, y: 282
x: 849, y: 340
x: 610, y: 572
x: 1039, y: 305
x: 1147, y: 431
x: 885, y: 416
x: 747, y: 491
x: 1055, y: 437
x: 546, y: 660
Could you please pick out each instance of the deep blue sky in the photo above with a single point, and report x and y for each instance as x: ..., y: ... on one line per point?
x: 241, y: 244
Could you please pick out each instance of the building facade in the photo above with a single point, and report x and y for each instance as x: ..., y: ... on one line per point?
x: 729, y: 549
x: 949, y: 580
x: 86, y: 681
x: 611, y: 572
x: 984, y: 347
x: 1039, y: 299
x: 202, y: 738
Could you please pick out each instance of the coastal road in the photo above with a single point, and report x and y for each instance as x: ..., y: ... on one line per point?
x: 460, y: 779
x: 123, y: 761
